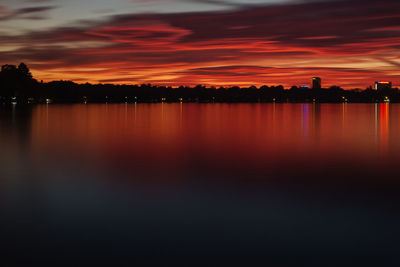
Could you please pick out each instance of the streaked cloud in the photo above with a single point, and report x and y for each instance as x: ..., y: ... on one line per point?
x: 348, y: 43
x: 32, y: 13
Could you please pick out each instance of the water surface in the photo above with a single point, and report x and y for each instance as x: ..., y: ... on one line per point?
x: 281, y: 183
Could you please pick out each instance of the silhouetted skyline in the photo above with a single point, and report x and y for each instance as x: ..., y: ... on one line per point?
x: 17, y: 84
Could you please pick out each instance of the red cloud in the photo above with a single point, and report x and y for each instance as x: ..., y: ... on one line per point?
x: 345, y: 43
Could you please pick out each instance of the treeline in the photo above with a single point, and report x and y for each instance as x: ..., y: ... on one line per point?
x: 17, y: 84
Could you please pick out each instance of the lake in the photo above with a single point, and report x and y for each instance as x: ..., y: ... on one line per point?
x: 285, y: 184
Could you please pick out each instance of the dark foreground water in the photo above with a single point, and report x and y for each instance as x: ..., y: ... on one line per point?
x: 208, y: 184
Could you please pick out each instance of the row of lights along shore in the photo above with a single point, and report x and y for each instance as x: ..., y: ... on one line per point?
x: 316, y: 84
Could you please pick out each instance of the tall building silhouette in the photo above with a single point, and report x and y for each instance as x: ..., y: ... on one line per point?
x: 383, y: 85
x: 316, y: 83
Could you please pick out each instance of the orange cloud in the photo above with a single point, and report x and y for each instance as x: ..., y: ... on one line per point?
x: 345, y: 43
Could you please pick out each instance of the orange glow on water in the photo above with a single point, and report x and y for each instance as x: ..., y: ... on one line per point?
x: 384, y: 128
x: 170, y: 134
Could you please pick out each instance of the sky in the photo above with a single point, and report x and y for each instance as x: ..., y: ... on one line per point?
x: 349, y: 43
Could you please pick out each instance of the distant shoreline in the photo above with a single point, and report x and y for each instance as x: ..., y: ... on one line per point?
x: 51, y: 101
x: 17, y: 85
x: 51, y: 93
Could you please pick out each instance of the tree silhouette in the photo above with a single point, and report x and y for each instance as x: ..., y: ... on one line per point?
x: 7, y: 69
x: 24, y: 71
x: 16, y: 81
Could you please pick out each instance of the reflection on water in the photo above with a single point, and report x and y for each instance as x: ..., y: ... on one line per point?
x: 285, y: 183
x: 384, y: 128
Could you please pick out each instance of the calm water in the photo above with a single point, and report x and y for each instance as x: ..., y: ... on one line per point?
x: 286, y: 184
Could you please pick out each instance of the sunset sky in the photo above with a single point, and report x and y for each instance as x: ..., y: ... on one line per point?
x: 213, y: 42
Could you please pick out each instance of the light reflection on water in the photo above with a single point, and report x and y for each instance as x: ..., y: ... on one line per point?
x: 277, y: 182
x: 253, y: 130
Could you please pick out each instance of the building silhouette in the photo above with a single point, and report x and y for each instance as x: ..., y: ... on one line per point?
x: 383, y: 85
x: 316, y: 83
